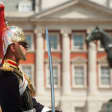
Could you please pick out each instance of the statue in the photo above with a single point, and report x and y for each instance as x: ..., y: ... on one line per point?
x: 105, y: 39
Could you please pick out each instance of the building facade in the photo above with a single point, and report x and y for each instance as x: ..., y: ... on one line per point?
x: 82, y: 77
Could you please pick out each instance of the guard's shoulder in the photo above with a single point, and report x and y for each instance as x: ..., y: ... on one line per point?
x: 7, y: 69
x: 5, y: 72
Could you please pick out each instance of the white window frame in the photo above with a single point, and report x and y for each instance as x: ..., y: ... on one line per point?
x: 85, y: 76
x: 84, y: 45
x: 48, y: 72
x: 99, y: 72
x: 58, y: 46
x: 32, y: 67
x: 32, y: 45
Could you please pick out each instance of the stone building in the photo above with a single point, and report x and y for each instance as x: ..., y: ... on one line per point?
x: 82, y: 78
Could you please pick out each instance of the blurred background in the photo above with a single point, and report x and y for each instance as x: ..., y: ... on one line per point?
x: 82, y: 77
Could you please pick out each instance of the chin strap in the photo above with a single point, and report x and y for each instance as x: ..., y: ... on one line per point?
x: 32, y: 110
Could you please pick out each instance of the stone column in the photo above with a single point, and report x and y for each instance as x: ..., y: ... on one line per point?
x: 93, y: 105
x: 92, y: 97
x: 92, y: 90
x: 66, y: 61
x: 39, y: 62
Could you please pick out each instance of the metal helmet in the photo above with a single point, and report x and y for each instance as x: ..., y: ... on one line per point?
x: 9, y: 34
x: 12, y: 35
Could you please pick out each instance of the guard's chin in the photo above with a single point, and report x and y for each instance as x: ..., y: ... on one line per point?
x: 23, y: 58
x: 20, y: 58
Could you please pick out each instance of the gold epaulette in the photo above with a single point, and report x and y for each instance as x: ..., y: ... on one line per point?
x: 6, y: 69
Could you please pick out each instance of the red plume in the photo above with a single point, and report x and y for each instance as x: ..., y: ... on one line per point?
x: 2, y: 28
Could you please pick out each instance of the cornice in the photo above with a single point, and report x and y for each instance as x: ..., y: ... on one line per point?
x: 79, y: 60
x: 58, y: 21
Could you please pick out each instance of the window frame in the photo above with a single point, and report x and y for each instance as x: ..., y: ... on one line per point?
x: 72, y: 41
x: 58, y: 39
x: 99, y: 72
x: 85, y: 75
x: 48, y: 72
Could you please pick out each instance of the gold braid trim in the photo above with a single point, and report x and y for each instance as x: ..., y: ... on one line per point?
x: 6, y: 68
x: 30, y: 85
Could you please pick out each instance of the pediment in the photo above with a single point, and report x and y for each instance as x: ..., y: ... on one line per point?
x: 76, y: 13
x: 75, y: 9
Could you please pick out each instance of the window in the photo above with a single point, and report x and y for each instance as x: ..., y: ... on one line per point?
x: 79, y: 75
x: 105, y: 76
x: 29, y: 40
x: 25, y: 6
x: 56, y: 74
x: 28, y: 70
x: 78, y: 41
x: 54, y: 41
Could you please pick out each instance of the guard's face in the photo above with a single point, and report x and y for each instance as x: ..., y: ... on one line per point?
x: 20, y: 50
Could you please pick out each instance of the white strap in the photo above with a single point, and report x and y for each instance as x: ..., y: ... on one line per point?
x: 45, y: 109
x: 32, y: 110
x: 22, y: 86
